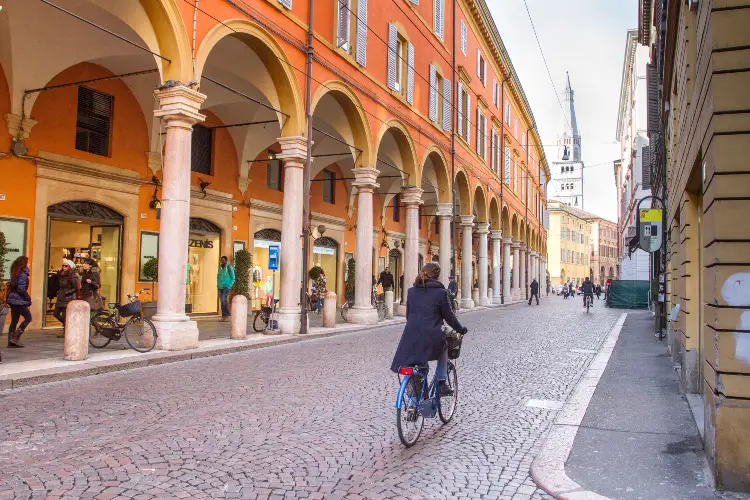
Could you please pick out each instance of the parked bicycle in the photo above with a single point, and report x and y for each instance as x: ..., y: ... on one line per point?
x: 262, y: 317
x: 139, y: 332
x: 418, y: 398
x: 378, y: 302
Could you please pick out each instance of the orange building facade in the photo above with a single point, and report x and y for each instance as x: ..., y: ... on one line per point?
x: 184, y: 136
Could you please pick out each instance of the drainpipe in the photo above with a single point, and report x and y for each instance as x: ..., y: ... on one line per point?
x: 195, y: 32
x: 306, y: 174
x: 502, y: 175
x: 453, y: 145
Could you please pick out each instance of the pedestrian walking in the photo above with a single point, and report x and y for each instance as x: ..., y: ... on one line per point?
x: 572, y: 290
x: 386, y: 280
x: 67, y: 291
x: 401, y: 287
x: 224, y: 282
x: 18, y: 299
x: 321, y: 287
x: 423, y: 339
x: 91, y: 283
x: 534, y: 291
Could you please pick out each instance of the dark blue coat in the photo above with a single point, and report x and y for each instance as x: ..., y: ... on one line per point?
x: 423, y: 339
x: 19, y: 289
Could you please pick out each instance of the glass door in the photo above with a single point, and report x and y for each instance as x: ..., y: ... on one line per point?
x: 104, y: 247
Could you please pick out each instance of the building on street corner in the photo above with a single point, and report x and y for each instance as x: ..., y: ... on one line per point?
x: 698, y: 122
x: 191, y: 142
x: 604, y: 263
x: 569, y: 244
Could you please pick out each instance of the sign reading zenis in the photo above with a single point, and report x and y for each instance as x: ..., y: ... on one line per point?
x: 200, y: 243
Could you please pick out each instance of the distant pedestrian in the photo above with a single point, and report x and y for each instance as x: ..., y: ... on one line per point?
x: 386, y: 279
x: 534, y: 291
x: 572, y: 290
x: 401, y: 287
x: 18, y: 299
x: 91, y: 283
x: 224, y: 282
x: 321, y: 287
x: 67, y: 292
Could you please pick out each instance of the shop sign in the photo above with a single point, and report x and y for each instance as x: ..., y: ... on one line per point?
x: 650, y: 236
x: 265, y: 243
x: 273, y: 258
x: 200, y: 243
x: 324, y: 251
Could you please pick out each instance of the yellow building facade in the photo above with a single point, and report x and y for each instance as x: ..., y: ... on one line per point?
x: 569, y: 244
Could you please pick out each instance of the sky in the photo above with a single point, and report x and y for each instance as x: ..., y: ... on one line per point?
x: 587, y: 39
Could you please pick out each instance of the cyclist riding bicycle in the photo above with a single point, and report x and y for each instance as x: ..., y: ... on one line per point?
x: 588, y: 291
x: 452, y: 287
x: 427, y: 306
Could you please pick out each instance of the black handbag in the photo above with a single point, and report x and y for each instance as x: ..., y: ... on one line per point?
x: 454, y: 344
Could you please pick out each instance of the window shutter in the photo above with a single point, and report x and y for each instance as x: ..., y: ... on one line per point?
x: 479, y: 63
x: 464, y: 37
x: 646, y: 167
x: 494, y: 92
x: 200, y: 151
x: 479, y: 133
x: 93, y: 121
x: 433, y: 94
x: 410, y: 73
x: 492, y: 151
x: 344, y: 17
x: 653, y: 109
x: 286, y: 3
x: 392, y: 43
x: 439, y: 18
x: 484, y: 136
x: 362, y: 32
x: 484, y: 72
x: 447, y: 110
x: 506, y: 168
x: 468, y: 117
x: 460, y: 109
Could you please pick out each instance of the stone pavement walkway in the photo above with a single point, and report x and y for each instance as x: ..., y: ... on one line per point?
x: 638, y: 438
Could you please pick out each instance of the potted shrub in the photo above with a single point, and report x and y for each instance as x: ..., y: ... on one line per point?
x: 151, y: 272
x: 351, y: 279
x: 4, y: 309
x: 243, y: 262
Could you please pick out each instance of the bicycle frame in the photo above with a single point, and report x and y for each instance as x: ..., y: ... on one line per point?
x: 433, y: 388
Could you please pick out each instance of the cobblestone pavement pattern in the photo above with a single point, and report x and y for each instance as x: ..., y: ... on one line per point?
x: 308, y: 420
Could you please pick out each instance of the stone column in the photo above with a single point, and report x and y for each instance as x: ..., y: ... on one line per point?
x: 467, y: 225
x: 532, y: 266
x: 363, y: 313
x: 445, y: 214
x: 543, y: 275
x: 496, y: 236
x: 507, y: 242
x: 483, y: 228
x: 293, y: 156
x: 522, y: 275
x: 516, y: 271
x: 411, y: 198
x: 179, y: 108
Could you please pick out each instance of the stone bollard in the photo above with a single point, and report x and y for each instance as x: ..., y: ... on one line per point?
x: 239, y: 318
x: 329, y: 310
x: 389, y: 304
x: 475, y: 296
x: 77, y: 321
x: 489, y: 295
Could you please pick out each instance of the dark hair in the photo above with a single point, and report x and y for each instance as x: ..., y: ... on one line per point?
x: 18, y: 265
x: 430, y: 271
x: 90, y: 262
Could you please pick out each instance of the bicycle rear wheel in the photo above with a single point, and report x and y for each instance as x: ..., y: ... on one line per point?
x: 588, y: 304
x: 140, y: 334
x: 344, y: 310
x: 260, y: 322
x: 381, y: 311
x: 408, y: 421
x: 447, y: 404
x: 99, y: 321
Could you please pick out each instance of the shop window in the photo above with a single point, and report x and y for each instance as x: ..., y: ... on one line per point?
x: 15, y: 239
x: 201, y: 148
x: 273, y: 174
x: 396, y: 209
x: 329, y: 187
x: 149, y: 250
x: 94, y: 121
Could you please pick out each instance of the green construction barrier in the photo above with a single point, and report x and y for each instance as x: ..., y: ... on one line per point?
x: 628, y: 294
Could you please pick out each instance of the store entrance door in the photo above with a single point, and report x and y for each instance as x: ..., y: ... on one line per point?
x: 326, y: 255
x: 204, y: 254
x: 394, y: 262
x: 79, y: 230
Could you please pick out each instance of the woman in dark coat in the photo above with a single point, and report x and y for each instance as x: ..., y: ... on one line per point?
x: 423, y: 340
x: 91, y: 281
x: 67, y: 292
x: 19, y: 300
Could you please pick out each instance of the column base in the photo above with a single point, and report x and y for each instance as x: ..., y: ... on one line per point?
x: 467, y: 304
x: 289, y: 320
x: 176, y: 335
x: 485, y: 301
x: 497, y: 300
x: 366, y: 315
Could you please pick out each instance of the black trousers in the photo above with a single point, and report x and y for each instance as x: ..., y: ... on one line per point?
x: 532, y: 296
x: 59, y: 313
x: 16, y: 312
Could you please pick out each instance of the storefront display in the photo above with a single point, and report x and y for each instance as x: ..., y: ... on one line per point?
x: 325, y: 255
x: 203, y: 265
x: 15, y: 237
x: 262, y: 278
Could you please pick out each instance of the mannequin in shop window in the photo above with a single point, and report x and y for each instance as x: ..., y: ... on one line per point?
x: 195, y: 276
x: 269, y: 291
x: 188, y: 280
x: 257, y: 280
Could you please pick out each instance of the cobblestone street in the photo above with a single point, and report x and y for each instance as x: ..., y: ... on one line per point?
x: 307, y: 420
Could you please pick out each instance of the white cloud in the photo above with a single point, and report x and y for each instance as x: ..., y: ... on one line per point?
x: 587, y: 39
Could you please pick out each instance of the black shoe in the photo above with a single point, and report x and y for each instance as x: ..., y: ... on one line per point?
x: 445, y: 389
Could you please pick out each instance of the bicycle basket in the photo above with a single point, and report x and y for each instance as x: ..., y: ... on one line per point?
x: 454, y: 344
x: 129, y: 309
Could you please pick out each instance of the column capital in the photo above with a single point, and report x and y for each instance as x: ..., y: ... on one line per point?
x: 293, y: 151
x: 445, y: 210
x: 179, y: 104
x: 15, y: 124
x: 515, y: 244
x: 467, y: 220
x: 507, y: 240
x: 411, y: 196
x: 496, y: 234
x: 365, y: 179
x: 483, y: 227
x: 522, y: 245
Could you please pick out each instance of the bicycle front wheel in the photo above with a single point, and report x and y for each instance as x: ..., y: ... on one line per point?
x: 344, y: 310
x: 408, y: 420
x: 447, y: 404
x: 260, y: 322
x: 140, y: 334
x: 588, y: 304
x: 381, y: 311
x: 99, y: 321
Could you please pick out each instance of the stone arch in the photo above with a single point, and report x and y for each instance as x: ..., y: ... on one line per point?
x: 494, y: 213
x: 173, y: 39
x: 506, y: 227
x: 480, y: 204
x: 286, y: 95
x: 463, y: 193
x: 434, y: 163
x: 514, y: 227
x: 395, y: 133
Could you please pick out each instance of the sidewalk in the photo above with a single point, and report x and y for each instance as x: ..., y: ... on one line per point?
x: 638, y: 438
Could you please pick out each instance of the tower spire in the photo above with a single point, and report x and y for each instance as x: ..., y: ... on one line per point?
x: 570, y: 139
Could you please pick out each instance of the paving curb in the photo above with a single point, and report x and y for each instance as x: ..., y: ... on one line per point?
x: 548, y: 467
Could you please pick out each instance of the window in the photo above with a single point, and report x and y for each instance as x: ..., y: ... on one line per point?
x: 515, y: 175
x: 149, y: 250
x: 94, y: 121
x: 440, y: 104
x: 15, y: 238
x: 523, y: 141
x: 464, y: 38
x: 515, y: 129
x: 507, y: 113
x: 481, y: 68
x: 396, y: 209
x: 344, y: 25
x: 273, y: 173
x: 440, y: 18
x: 200, y: 150
x: 329, y: 187
x: 464, y: 112
x: 481, y: 134
x: 400, y: 64
x: 494, y: 92
x: 400, y: 47
x: 506, y: 172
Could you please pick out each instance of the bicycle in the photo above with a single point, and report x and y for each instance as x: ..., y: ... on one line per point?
x: 139, y: 332
x: 262, y: 317
x: 417, y: 400
x: 587, y: 300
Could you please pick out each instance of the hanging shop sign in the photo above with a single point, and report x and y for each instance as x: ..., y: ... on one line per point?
x: 324, y: 251
x: 650, y: 228
x: 193, y: 243
x: 265, y: 243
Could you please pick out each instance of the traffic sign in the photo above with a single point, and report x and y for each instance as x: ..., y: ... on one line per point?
x: 650, y: 228
x: 273, y: 258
